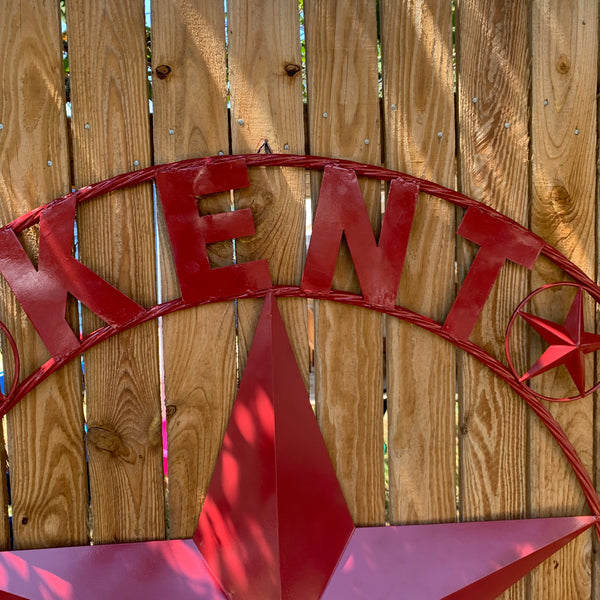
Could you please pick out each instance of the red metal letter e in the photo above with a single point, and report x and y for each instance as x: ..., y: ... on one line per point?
x: 189, y: 233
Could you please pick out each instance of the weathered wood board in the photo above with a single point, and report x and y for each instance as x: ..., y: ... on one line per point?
x: 343, y: 97
x: 190, y: 120
x: 45, y: 431
x: 418, y: 114
x: 493, y: 90
x: 266, y: 116
x: 111, y: 135
x: 564, y: 47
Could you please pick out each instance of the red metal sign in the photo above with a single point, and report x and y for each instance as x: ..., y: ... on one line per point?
x: 263, y: 533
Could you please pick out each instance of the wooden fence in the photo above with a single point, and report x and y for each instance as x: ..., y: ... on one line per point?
x: 496, y: 98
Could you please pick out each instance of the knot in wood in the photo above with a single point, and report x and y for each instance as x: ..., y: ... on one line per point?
x: 162, y: 71
x: 105, y: 440
x: 171, y: 410
x: 292, y: 69
x: 560, y: 199
x: 563, y: 65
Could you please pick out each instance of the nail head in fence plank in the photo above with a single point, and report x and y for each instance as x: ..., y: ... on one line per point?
x: 46, y: 445
x: 341, y: 50
x: 418, y: 102
x: 263, y: 39
x: 493, y: 66
x: 109, y: 90
x: 191, y: 101
x: 565, y: 69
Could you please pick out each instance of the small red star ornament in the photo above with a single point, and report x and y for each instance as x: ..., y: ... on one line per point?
x: 568, y: 343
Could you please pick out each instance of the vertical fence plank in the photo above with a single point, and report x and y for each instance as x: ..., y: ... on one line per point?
x: 46, y: 446
x: 116, y: 240
x: 190, y: 120
x: 493, y: 87
x: 343, y: 94
x: 564, y: 53
x: 266, y: 108
x: 419, y: 139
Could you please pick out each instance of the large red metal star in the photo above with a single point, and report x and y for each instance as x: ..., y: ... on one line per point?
x: 568, y: 343
x: 275, y: 524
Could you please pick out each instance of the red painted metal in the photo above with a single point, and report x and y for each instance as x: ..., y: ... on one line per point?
x: 7, y: 596
x: 274, y: 522
x: 378, y: 266
x: 262, y: 502
x: 229, y: 165
x: 498, y: 241
x: 42, y: 292
x: 485, y: 558
x: 148, y: 571
x: 531, y: 398
x: 454, y: 561
x: 189, y: 233
x: 568, y: 343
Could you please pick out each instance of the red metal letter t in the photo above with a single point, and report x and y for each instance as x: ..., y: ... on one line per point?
x: 499, y: 240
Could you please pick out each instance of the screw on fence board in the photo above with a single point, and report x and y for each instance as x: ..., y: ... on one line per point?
x: 49, y: 163
x: 171, y: 132
x: 86, y: 126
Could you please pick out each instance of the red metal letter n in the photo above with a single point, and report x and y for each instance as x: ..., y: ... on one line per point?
x: 341, y: 210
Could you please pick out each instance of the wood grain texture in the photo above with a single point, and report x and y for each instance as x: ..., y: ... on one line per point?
x: 116, y: 233
x: 493, y: 88
x: 343, y: 95
x: 266, y: 107
x: 46, y: 443
x: 421, y: 371
x: 190, y: 120
x: 564, y: 59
